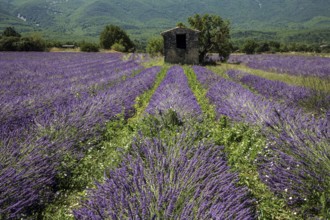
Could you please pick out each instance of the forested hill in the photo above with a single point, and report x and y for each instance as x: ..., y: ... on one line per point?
x: 144, y: 17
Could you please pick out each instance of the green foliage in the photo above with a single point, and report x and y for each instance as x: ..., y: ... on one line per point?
x: 10, y: 32
x: 112, y: 34
x: 155, y: 46
x: 118, y: 47
x: 12, y: 41
x: 9, y: 43
x: 181, y: 25
x: 214, y: 35
x: 308, y: 23
x: 88, y: 47
x: 33, y: 42
x: 250, y: 47
x: 140, y: 45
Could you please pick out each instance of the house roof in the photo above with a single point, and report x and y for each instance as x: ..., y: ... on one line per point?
x: 177, y: 28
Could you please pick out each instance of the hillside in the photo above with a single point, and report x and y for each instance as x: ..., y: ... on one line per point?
x: 142, y: 18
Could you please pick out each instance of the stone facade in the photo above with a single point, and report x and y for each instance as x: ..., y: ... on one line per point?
x: 181, y: 46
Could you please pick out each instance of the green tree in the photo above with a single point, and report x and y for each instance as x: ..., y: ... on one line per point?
x: 250, y: 47
x: 88, y: 47
x: 33, y: 42
x: 112, y: 34
x: 9, y: 43
x: 263, y: 47
x: 10, y: 32
x: 155, y: 46
x: 214, y: 35
x: 181, y: 25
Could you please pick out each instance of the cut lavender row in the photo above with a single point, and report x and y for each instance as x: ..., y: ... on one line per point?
x: 276, y: 90
x: 159, y: 181
x: 296, y: 162
x: 174, y: 93
x: 28, y: 167
x: 295, y: 65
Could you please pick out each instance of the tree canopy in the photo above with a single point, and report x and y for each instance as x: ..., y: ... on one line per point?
x: 214, y: 35
x: 113, y: 34
x: 155, y: 46
x: 10, y: 32
x: 11, y: 40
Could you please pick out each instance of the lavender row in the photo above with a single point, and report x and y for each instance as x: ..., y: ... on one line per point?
x: 296, y: 161
x: 276, y: 90
x: 161, y: 181
x: 241, y: 104
x: 174, y: 93
x: 28, y: 79
x: 293, y: 65
x: 28, y: 94
x: 29, y: 166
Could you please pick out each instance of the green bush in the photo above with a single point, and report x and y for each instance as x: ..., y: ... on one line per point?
x: 250, y: 47
x: 113, y: 34
x: 9, y: 43
x: 12, y: 41
x: 31, y: 43
x: 89, y: 47
x: 155, y: 46
x: 10, y: 32
x: 118, y: 47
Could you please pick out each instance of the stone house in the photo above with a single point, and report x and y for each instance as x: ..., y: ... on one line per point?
x: 181, y: 46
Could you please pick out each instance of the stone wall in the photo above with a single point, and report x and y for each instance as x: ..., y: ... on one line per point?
x: 173, y: 54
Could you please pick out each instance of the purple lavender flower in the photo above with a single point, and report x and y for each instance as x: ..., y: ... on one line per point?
x: 174, y: 93
x: 294, y: 65
x: 159, y: 181
x: 296, y: 162
x: 37, y: 133
x: 276, y: 90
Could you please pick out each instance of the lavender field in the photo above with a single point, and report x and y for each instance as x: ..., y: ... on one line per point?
x: 102, y: 136
x: 295, y: 65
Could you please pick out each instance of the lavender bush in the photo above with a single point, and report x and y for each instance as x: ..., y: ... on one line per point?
x: 174, y: 93
x: 176, y: 179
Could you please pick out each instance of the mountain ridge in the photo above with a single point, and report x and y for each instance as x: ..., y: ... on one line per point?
x: 143, y: 18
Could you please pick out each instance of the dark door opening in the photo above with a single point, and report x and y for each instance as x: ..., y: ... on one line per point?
x: 181, y: 41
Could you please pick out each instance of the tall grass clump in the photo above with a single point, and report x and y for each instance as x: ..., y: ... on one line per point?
x: 320, y: 90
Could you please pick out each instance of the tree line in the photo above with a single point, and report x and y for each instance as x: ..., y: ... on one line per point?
x: 11, y: 40
x: 214, y: 37
x: 251, y: 46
